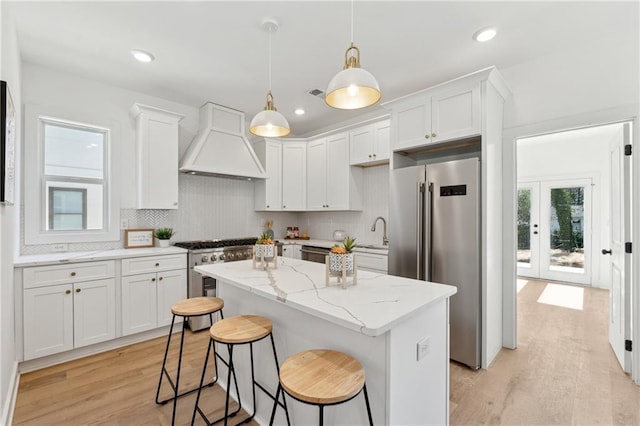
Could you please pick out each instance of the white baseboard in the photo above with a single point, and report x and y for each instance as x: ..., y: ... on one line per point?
x: 10, y: 402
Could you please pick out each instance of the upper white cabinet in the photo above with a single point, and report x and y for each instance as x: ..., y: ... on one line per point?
x: 438, y: 115
x: 331, y: 183
x: 285, y: 163
x: 370, y: 145
x: 157, y: 157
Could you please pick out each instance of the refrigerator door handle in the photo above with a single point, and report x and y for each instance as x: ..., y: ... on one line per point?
x: 430, y: 232
x: 419, y: 224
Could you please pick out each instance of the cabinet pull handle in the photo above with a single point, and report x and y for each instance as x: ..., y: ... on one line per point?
x: 160, y: 279
x: 78, y: 290
x: 153, y: 279
x: 157, y: 264
x: 67, y: 292
x: 433, y: 135
x: 427, y: 136
x: 73, y: 274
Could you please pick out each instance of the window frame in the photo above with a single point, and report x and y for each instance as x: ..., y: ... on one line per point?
x: 35, y: 181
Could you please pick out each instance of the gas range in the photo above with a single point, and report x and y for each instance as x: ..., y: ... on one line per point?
x: 216, y: 251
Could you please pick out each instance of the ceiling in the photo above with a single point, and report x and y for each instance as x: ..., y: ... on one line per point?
x: 216, y: 51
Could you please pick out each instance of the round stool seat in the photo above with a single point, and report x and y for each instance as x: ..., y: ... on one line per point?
x: 322, y: 376
x: 197, y: 306
x: 241, y: 329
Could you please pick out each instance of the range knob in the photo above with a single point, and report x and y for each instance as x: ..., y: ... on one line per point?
x: 221, y: 257
x: 231, y: 256
x: 204, y: 259
x: 214, y: 257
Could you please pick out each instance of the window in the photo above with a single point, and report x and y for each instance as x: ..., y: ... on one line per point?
x: 70, y: 197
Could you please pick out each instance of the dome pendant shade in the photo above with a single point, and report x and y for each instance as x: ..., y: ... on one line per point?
x: 353, y: 87
x: 269, y: 123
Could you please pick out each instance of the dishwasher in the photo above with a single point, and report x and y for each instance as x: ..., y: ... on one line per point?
x: 314, y: 254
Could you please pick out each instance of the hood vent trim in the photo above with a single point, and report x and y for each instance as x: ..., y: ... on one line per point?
x: 220, y: 147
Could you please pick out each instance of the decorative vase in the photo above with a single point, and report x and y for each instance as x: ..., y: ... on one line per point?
x: 163, y: 243
x: 339, y: 260
x: 265, y: 251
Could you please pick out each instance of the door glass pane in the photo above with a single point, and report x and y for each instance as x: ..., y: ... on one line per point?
x: 524, y: 226
x: 567, y: 228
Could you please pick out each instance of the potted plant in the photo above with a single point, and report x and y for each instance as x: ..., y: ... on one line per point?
x: 164, y: 235
x: 265, y: 247
x: 342, y: 257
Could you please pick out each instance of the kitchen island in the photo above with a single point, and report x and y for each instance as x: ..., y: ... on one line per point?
x: 396, y: 327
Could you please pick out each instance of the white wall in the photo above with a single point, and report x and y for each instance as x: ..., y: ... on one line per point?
x: 578, y: 153
x: 9, y: 72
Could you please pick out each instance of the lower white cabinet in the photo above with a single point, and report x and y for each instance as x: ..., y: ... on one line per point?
x: 147, y: 297
x: 292, y: 251
x: 62, y: 316
x: 373, y: 262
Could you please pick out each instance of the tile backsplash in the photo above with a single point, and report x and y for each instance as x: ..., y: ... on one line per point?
x: 213, y: 207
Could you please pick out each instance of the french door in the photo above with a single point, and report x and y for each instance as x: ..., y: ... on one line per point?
x: 554, y: 230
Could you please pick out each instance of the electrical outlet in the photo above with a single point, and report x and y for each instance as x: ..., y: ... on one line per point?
x: 423, y: 348
x: 124, y: 223
x: 60, y: 247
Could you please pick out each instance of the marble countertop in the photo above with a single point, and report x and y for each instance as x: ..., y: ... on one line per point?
x: 88, y: 256
x: 372, y: 307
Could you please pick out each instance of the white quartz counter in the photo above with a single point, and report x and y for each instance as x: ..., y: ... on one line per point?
x: 372, y: 307
x: 88, y: 256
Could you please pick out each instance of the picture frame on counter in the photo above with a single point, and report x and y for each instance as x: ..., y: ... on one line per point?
x: 138, y: 238
x: 7, y: 145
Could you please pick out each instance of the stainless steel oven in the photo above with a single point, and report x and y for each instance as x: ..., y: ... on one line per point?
x: 314, y: 254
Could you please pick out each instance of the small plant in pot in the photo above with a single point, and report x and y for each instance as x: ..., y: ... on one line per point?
x: 342, y: 257
x: 265, y: 247
x: 164, y: 235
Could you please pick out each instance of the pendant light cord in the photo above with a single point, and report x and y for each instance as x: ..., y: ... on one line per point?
x: 270, y: 31
x: 352, y: 21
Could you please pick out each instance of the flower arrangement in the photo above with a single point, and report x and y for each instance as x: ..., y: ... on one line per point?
x: 341, y: 257
x: 265, y: 247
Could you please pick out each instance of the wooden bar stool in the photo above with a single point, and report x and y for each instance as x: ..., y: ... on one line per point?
x: 322, y: 377
x: 239, y: 330
x: 186, y: 308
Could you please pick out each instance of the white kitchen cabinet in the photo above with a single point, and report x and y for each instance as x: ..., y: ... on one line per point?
x: 150, y: 286
x: 285, y: 163
x: 292, y: 251
x: 70, y: 310
x: 370, y: 145
x: 437, y: 115
x: 157, y: 157
x: 332, y: 184
x: 372, y: 262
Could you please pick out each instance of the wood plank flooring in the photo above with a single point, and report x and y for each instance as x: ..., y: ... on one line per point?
x: 563, y: 372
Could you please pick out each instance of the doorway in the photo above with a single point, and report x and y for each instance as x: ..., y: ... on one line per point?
x: 554, y: 230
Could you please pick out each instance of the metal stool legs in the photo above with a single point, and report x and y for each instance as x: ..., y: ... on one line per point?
x: 165, y: 373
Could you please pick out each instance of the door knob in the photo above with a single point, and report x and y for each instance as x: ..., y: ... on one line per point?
x: 605, y: 251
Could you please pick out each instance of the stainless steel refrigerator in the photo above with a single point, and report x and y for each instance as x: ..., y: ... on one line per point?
x: 434, y: 229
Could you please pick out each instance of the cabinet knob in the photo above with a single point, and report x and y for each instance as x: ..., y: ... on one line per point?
x: 175, y: 203
x: 157, y: 264
x: 370, y: 156
x: 374, y: 156
x: 284, y: 207
x: 433, y: 135
x: 67, y: 292
x: 160, y: 279
x: 153, y: 279
x: 73, y: 274
x: 427, y: 136
x: 268, y: 206
x: 78, y: 290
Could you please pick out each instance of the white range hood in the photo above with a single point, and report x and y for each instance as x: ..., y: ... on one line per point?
x: 220, y: 147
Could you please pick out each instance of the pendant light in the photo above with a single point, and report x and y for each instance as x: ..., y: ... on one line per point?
x: 269, y: 123
x: 353, y: 87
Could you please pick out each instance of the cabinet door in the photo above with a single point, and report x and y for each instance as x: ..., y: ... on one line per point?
x: 316, y: 175
x: 171, y: 287
x: 381, y: 141
x: 48, y: 320
x: 294, y: 175
x: 296, y: 252
x: 157, y: 142
x: 148, y: 264
x: 338, y: 177
x: 139, y: 304
x: 455, y: 114
x: 361, y: 145
x: 412, y: 126
x: 287, y: 250
x: 273, y: 183
x: 94, y: 312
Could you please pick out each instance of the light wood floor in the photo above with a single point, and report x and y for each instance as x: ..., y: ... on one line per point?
x: 562, y: 373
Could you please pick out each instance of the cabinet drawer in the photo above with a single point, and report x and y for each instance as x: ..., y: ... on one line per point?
x: 40, y: 276
x: 372, y: 262
x: 143, y: 265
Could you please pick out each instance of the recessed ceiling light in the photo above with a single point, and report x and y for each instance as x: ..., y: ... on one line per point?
x: 485, y: 34
x: 142, y: 56
x: 299, y: 111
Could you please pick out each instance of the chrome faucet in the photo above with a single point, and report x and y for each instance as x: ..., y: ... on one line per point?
x: 385, y: 240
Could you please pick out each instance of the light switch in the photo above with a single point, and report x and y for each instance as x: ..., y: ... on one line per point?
x: 423, y: 348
